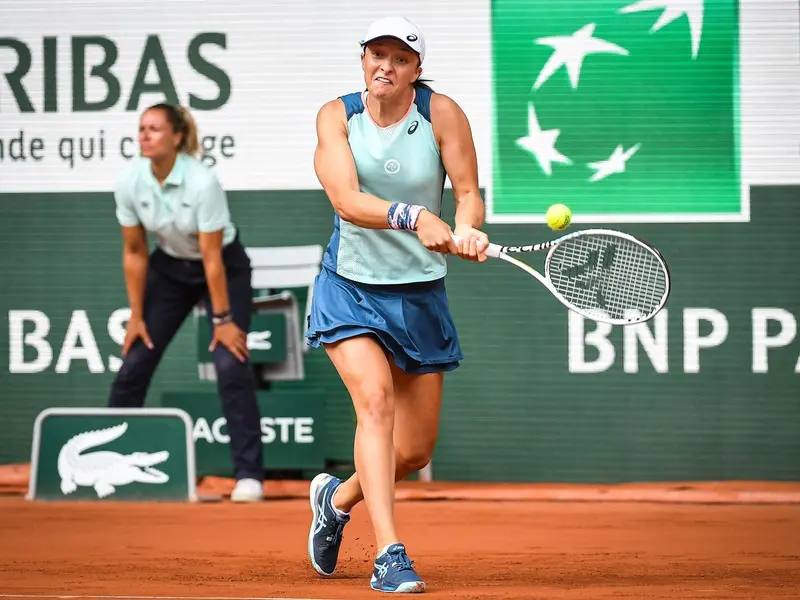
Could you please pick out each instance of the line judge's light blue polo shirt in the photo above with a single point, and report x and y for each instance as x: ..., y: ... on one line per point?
x: 190, y: 201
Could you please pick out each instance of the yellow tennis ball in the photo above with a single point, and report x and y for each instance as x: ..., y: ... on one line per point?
x: 558, y: 216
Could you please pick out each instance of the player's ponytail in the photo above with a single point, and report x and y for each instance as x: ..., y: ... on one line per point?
x: 423, y: 84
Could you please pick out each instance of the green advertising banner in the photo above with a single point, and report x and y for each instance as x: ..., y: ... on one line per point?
x: 292, y: 429
x: 624, y: 111
x: 112, y: 454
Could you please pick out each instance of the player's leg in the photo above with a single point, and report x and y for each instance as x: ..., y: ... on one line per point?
x: 417, y: 387
x: 342, y: 310
x: 417, y: 404
x: 431, y: 336
x: 366, y: 372
x: 363, y: 367
x: 416, y: 425
x: 167, y: 303
x: 417, y: 407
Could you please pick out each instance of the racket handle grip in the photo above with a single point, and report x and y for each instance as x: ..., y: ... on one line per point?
x: 492, y: 251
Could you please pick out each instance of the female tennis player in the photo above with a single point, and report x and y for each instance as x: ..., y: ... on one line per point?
x: 380, y: 308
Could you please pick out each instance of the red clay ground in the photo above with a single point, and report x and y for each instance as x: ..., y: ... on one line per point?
x: 464, y: 549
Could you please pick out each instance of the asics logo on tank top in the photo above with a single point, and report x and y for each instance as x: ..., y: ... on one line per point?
x: 413, y: 127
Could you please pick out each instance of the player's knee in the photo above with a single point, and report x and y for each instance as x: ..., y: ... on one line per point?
x: 375, y: 407
x: 414, y: 458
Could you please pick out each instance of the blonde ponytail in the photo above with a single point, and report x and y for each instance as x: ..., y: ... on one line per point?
x: 190, y: 143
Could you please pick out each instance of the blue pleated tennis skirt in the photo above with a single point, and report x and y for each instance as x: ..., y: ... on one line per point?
x: 412, y: 321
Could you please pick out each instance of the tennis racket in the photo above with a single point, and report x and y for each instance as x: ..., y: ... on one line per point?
x: 604, y: 275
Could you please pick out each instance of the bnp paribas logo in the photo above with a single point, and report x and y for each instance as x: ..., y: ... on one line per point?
x: 627, y: 111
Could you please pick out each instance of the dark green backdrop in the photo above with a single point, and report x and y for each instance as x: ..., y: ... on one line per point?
x: 513, y: 411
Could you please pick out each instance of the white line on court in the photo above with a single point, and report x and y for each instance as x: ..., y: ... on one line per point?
x: 78, y: 596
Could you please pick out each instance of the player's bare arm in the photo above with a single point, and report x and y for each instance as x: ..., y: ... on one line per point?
x: 454, y: 136
x: 336, y: 171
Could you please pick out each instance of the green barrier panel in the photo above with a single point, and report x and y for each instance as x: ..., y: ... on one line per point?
x: 101, y: 454
x: 292, y: 429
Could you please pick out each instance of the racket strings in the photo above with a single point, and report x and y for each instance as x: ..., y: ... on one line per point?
x: 613, y: 275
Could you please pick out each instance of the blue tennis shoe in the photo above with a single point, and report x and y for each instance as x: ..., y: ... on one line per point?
x: 394, y: 572
x: 325, y: 536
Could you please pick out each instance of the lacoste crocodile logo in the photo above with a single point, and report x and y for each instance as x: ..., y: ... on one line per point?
x: 105, y: 470
x: 259, y: 340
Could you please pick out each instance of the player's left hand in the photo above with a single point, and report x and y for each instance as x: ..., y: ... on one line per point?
x: 472, y: 243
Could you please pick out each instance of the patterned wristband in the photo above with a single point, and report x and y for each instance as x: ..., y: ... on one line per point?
x: 404, y: 216
x: 414, y: 213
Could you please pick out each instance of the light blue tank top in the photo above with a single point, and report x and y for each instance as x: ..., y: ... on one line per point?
x: 400, y: 163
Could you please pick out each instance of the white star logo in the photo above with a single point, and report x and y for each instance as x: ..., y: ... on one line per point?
x: 542, y: 144
x: 673, y: 9
x: 615, y: 163
x: 570, y: 50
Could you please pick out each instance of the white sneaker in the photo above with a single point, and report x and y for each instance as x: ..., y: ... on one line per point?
x: 247, y: 490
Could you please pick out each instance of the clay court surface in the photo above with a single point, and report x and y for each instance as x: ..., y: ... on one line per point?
x: 463, y: 548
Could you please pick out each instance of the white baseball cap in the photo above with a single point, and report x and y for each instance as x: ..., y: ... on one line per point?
x: 400, y: 28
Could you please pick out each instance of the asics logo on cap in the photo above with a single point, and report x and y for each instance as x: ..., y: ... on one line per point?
x: 399, y: 28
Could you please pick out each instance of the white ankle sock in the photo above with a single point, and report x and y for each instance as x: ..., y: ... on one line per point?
x: 338, y: 512
x: 385, y: 548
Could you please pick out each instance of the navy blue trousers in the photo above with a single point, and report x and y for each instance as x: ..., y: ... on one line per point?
x: 172, y: 290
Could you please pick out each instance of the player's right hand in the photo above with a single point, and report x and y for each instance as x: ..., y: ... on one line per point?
x: 435, y: 234
x: 136, y: 329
